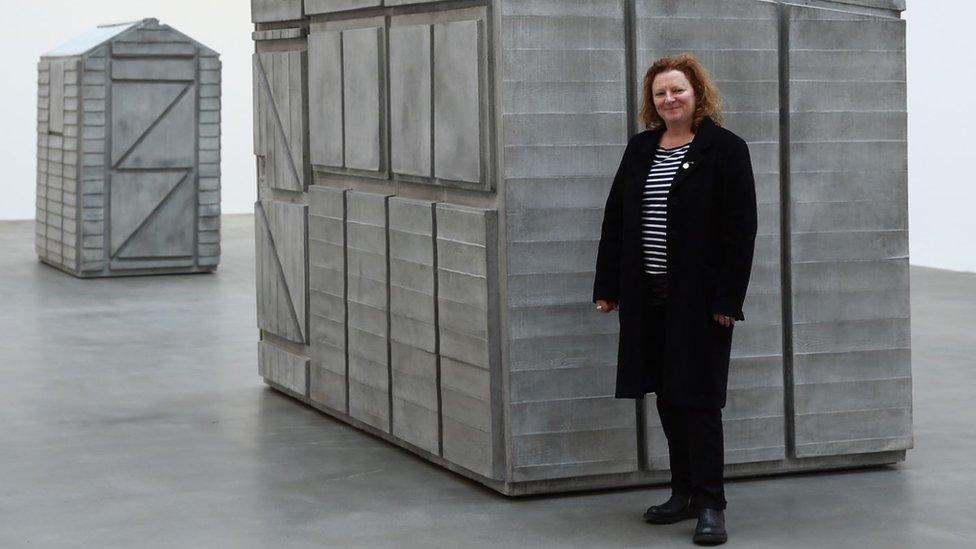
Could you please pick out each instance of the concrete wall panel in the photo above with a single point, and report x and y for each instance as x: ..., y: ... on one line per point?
x: 747, y: 73
x: 153, y: 125
x: 330, y: 6
x: 56, y: 97
x: 59, y: 117
x: 413, y: 323
x: 280, y: 124
x: 281, y: 260
x: 282, y: 367
x: 560, y: 60
x: 208, y: 159
x: 93, y: 186
x: 408, y: 2
x: 410, y: 99
x: 328, y: 372
x: 152, y: 215
x: 164, y: 69
x: 363, y: 110
x: 268, y: 11
x: 468, y: 414
x: 368, y: 308
x: 175, y: 47
x: 850, y: 256
x: 457, y: 100
x: 325, y: 97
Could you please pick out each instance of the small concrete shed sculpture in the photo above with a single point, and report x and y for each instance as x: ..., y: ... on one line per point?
x: 432, y: 177
x: 128, y: 153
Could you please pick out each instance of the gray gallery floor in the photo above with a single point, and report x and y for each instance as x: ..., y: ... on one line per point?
x: 131, y: 415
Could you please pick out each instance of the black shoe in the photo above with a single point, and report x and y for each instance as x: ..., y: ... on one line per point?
x: 711, y: 527
x: 676, y: 509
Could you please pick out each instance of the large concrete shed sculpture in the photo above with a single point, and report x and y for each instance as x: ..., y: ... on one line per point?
x: 128, y: 153
x: 431, y: 180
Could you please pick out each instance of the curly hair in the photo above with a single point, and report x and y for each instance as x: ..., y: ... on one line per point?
x: 708, y: 101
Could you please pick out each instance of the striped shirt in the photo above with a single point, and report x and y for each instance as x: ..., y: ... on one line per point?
x: 654, y: 207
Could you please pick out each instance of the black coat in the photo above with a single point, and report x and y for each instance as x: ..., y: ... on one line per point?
x: 711, y: 232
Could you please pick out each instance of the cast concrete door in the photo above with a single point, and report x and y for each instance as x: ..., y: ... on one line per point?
x: 152, y: 214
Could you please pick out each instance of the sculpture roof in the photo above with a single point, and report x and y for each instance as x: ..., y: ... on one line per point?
x: 94, y: 37
x: 97, y: 36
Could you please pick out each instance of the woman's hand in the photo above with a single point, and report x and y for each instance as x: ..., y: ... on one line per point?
x: 724, y: 320
x: 605, y: 306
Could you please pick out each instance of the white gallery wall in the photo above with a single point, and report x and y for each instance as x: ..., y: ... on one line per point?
x: 941, y: 186
x: 941, y: 74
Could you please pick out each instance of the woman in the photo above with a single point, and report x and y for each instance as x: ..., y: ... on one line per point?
x: 674, y: 259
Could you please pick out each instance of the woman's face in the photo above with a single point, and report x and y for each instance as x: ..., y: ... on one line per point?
x: 674, y: 98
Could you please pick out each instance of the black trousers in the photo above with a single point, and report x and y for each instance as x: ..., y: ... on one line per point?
x: 695, y: 439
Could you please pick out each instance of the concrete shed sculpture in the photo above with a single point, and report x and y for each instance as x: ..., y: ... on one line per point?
x: 431, y: 183
x: 128, y: 153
